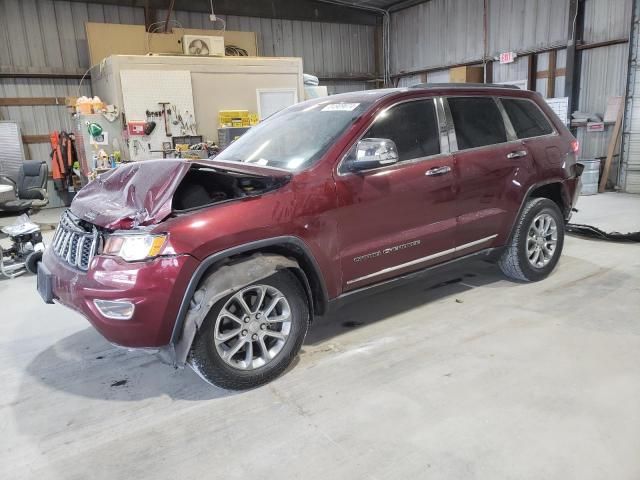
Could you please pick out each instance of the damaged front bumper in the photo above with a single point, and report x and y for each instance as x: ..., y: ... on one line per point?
x: 154, y: 288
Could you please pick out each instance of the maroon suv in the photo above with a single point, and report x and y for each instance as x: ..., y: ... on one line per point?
x: 223, y: 263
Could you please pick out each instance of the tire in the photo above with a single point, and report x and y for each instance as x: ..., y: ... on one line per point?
x: 32, y: 261
x: 515, y: 262
x: 207, y: 356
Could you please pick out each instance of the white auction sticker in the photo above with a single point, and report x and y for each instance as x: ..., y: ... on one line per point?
x: 340, y: 107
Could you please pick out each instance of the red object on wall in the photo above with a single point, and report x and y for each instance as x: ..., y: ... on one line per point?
x: 135, y: 128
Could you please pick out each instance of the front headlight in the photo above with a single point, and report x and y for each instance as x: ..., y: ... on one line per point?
x: 134, y: 247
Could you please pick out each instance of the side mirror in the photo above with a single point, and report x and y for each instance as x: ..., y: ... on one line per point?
x: 374, y: 152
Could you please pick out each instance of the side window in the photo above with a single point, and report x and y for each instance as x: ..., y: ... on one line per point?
x: 477, y: 121
x: 413, y: 126
x: 526, y: 118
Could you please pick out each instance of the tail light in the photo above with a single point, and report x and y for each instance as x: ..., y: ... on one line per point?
x: 575, y: 146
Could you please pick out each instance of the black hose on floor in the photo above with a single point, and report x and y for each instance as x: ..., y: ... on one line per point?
x: 593, y: 232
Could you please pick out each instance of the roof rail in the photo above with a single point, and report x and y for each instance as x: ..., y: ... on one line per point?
x: 463, y: 85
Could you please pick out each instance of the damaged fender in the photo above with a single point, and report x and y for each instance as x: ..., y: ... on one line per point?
x: 223, y: 281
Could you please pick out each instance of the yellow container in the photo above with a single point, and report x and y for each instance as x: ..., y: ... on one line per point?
x: 233, y: 118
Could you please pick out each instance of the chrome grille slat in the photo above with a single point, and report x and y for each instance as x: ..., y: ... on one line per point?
x: 74, y: 245
x: 79, y: 251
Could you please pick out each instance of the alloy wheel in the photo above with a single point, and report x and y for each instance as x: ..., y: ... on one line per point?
x: 542, y: 240
x: 252, y: 327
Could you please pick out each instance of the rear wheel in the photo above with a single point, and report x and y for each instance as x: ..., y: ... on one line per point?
x: 537, y: 243
x: 250, y: 337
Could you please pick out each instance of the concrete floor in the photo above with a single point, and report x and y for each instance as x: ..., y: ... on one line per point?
x: 468, y: 376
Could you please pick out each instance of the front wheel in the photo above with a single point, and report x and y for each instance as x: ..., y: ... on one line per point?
x: 251, y: 336
x: 537, y: 243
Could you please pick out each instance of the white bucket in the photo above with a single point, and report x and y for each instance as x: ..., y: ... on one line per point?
x: 590, y: 176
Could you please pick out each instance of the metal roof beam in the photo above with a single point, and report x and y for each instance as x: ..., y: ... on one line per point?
x: 310, y: 10
x: 402, y: 4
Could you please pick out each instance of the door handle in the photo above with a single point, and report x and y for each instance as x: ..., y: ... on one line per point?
x: 517, y: 154
x: 434, y: 172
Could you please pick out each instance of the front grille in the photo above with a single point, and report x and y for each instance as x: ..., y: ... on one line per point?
x: 73, y: 243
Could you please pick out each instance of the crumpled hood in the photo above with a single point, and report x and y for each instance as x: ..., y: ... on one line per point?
x: 136, y: 194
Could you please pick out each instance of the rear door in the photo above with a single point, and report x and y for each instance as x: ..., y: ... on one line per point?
x: 534, y: 129
x: 491, y: 166
x: 398, y: 218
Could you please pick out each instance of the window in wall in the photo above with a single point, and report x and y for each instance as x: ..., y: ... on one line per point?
x: 526, y: 118
x: 413, y: 126
x: 477, y: 121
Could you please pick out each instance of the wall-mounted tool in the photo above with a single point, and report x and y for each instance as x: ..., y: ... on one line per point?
x: 149, y: 126
x: 166, y: 112
x: 176, y: 115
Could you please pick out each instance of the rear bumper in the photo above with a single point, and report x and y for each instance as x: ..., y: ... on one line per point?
x: 574, y: 186
x: 155, y: 287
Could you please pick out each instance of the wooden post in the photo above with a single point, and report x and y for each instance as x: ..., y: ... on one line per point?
x: 551, y: 78
x: 613, y: 142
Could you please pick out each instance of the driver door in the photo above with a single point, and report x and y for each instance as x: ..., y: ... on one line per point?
x: 398, y: 218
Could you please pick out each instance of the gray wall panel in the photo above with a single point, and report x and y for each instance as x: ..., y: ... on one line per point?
x: 47, y: 33
x: 603, y: 75
x: 36, y: 34
x: 448, y: 32
x: 524, y: 25
x: 436, y: 33
x: 606, y: 20
x: 510, y: 72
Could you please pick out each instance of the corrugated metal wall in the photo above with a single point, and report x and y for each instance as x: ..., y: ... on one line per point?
x: 603, y: 74
x: 511, y: 72
x: 606, y: 20
x: 47, y: 34
x: 630, y: 175
x: 436, y: 33
x: 448, y: 32
x: 603, y: 70
x: 523, y: 25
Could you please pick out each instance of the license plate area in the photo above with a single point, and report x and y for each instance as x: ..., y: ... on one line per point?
x: 45, y: 283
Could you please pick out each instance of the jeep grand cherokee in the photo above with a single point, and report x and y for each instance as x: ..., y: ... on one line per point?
x: 222, y: 264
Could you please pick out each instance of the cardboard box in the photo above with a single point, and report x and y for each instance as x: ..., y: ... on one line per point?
x: 466, y: 75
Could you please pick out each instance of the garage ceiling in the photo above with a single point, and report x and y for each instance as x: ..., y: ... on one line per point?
x: 391, y: 5
x: 338, y: 11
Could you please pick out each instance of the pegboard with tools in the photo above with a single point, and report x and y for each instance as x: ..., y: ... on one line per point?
x: 160, y: 105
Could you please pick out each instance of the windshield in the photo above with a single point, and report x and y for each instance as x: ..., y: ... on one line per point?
x: 295, y: 138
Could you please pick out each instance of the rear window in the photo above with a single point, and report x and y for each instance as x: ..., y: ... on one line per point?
x: 477, y: 121
x: 527, y: 118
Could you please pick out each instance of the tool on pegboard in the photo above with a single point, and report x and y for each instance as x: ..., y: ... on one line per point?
x: 165, y: 113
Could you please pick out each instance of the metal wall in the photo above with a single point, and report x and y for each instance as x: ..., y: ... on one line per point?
x: 603, y: 74
x: 37, y: 34
x: 439, y: 33
x: 603, y: 71
x: 630, y: 175
x: 524, y: 25
x: 511, y: 72
x: 606, y: 20
x: 436, y: 34
x: 448, y: 32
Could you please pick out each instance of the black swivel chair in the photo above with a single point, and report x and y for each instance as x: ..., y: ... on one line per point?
x: 30, y: 189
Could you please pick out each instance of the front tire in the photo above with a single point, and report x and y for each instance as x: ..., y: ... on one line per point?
x: 537, y: 242
x: 251, y: 336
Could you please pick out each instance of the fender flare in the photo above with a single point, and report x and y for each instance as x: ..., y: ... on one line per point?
x: 179, y: 345
x: 527, y: 196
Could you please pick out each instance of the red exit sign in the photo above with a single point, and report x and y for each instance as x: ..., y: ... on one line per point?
x: 507, y: 57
